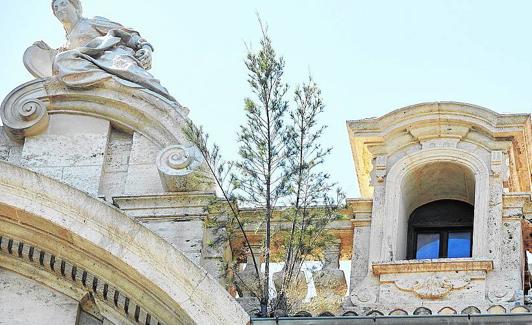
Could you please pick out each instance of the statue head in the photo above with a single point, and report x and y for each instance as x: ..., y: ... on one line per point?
x: 67, y: 11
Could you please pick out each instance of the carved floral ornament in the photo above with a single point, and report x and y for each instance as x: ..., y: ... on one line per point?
x: 432, y: 287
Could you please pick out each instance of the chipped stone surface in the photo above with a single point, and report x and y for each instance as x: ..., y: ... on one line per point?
x: 71, y: 150
x: 186, y: 236
x: 9, y: 150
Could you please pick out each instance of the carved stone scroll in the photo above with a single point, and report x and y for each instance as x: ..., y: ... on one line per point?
x: 24, y: 111
x: 180, y: 169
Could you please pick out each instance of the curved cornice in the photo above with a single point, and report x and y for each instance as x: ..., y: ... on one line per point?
x: 127, y: 108
x: 97, y: 238
x: 25, y: 112
x: 415, y: 124
x: 494, y: 123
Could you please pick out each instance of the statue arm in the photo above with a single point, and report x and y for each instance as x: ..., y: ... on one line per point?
x: 132, y: 39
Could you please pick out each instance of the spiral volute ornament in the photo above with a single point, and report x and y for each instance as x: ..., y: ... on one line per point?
x: 23, y: 113
x: 178, y: 160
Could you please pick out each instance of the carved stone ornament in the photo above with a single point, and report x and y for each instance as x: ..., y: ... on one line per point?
x: 501, y: 293
x: 96, y: 49
x: 24, y: 111
x: 379, y: 169
x: 363, y: 296
x: 177, y: 164
x: 498, y: 167
x: 432, y: 287
x: 364, y: 293
x: 178, y: 160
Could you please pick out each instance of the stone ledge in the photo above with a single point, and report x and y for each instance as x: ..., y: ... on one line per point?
x: 163, y: 206
x: 435, y: 265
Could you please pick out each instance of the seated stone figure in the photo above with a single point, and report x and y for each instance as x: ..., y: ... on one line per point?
x: 96, y: 50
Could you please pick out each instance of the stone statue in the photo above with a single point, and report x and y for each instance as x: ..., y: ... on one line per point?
x: 96, y: 50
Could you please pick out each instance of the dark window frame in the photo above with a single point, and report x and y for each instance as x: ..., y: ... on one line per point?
x: 444, y: 217
x: 444, y: 238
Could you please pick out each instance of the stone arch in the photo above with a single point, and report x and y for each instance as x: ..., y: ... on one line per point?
x: 519, y: 310
x: 447, y: 311
x: 422, y: 311
x: 398, y: 312
x: 496, y: 309
x: 471, y: 310
x: 374, y: 312
x: 61, y: 236
x: 394, y: 234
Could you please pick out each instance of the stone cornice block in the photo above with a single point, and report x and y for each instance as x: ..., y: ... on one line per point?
x: 438, y: 265
x: 184, y: 206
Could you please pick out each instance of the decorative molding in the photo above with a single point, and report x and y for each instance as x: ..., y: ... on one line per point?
x: 24, y: 110
x: 439, y: 265
x: 25, y: 113
x: 501, y: 292
x: 177, y: 164
x: 447, y: 142
x: 182, y: 206
x: 99, y: 288
x: 435, y: 119
x: 100, y: 238
x: 402, y: 168
x: 379, y: 169
x: 361, y: 222
x: 497, y: 167
x: 433, y: 286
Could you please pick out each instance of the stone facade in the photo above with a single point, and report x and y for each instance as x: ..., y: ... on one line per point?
x: 103, y: 203
x: 430, y: 152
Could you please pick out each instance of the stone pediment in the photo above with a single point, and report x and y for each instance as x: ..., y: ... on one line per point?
x: 26, y: 110
x: 438, y: 125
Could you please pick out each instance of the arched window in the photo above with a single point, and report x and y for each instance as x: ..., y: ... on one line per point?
x: 441, y: 229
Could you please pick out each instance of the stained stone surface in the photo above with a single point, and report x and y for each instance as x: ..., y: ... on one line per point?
x: 24, y: 301
x: 116, y: 163
x: 87, y: 319
x: 10, y: 150
x: 143, y: 176
x: 186, y: 236
x: 71, y: 150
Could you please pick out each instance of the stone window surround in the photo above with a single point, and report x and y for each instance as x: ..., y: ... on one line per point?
x: 392, y: 201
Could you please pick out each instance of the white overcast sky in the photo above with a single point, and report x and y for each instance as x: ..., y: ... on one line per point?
x: 369, y: 57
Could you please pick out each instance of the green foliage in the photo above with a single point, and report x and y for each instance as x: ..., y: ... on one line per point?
x: 280, y: 161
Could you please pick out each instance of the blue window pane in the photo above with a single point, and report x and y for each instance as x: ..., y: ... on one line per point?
x: 428, y: 246
x: 459, y: 244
